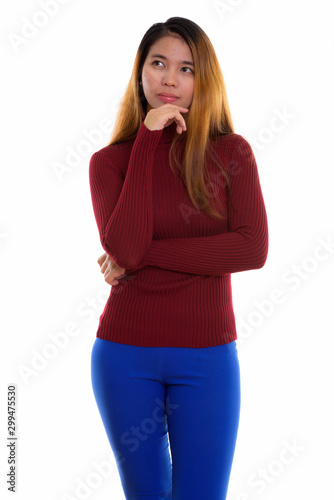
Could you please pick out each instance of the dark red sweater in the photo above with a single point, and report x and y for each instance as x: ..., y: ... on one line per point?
x: 178, y: 260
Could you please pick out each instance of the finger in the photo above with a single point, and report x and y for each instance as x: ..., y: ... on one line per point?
x: 111, y: 273
x: 104, y: 266
x: 107, y: 273
x: 182, y: 120
x: 181, y: 125
x: 112, y: 281
x: 102, y: 258
x: 108, y: 264
x: 168, y: 105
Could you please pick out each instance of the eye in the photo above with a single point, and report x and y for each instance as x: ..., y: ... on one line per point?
x: 185, y: 67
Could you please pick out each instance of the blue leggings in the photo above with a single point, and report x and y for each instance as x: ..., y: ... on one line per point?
x: 171, y: 415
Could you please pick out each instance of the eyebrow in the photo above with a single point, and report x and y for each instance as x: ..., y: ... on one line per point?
x: 164, y: 57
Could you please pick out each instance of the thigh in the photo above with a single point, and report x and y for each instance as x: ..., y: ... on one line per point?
x: 203, y: 429
x: 131, y: 402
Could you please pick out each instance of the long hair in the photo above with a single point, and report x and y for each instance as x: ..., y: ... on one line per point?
x: 208, y: 118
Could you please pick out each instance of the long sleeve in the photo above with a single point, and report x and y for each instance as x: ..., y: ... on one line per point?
x: 123, y: 206
x: 243, y: 247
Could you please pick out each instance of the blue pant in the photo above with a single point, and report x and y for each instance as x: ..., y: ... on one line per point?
x: 171, y: 415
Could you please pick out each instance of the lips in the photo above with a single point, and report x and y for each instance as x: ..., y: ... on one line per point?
x: 167, y: 94
x: 167, y: 97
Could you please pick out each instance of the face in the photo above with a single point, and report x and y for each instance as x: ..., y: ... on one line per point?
x: 170, y: 71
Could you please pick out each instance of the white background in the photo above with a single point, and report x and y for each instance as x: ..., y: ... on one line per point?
x: 58, y: 85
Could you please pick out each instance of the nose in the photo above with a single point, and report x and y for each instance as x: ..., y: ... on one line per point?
x: 169, y: 79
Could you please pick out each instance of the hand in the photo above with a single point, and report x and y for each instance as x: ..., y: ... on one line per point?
x: 110, y: 270
x: 157, y: 118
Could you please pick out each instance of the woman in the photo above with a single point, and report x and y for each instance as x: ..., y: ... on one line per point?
x: 179, y: 207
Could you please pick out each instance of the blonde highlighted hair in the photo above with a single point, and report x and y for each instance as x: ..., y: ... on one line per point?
x: 208, y: 117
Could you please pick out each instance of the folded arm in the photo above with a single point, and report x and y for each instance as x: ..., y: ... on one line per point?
x: 243, y: 247
x: 123, y: 206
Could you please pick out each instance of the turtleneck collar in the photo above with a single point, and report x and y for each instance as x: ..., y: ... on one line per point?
x: 168, y: 133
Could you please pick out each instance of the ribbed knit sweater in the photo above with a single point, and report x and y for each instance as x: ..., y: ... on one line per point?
x: 178, y: 260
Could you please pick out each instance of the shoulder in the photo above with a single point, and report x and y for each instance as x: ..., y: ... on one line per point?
x: 233, y: 140
x: 235, y: 145
x: 113, y: 154
x: 113, y: 150
x: 109, y: 159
